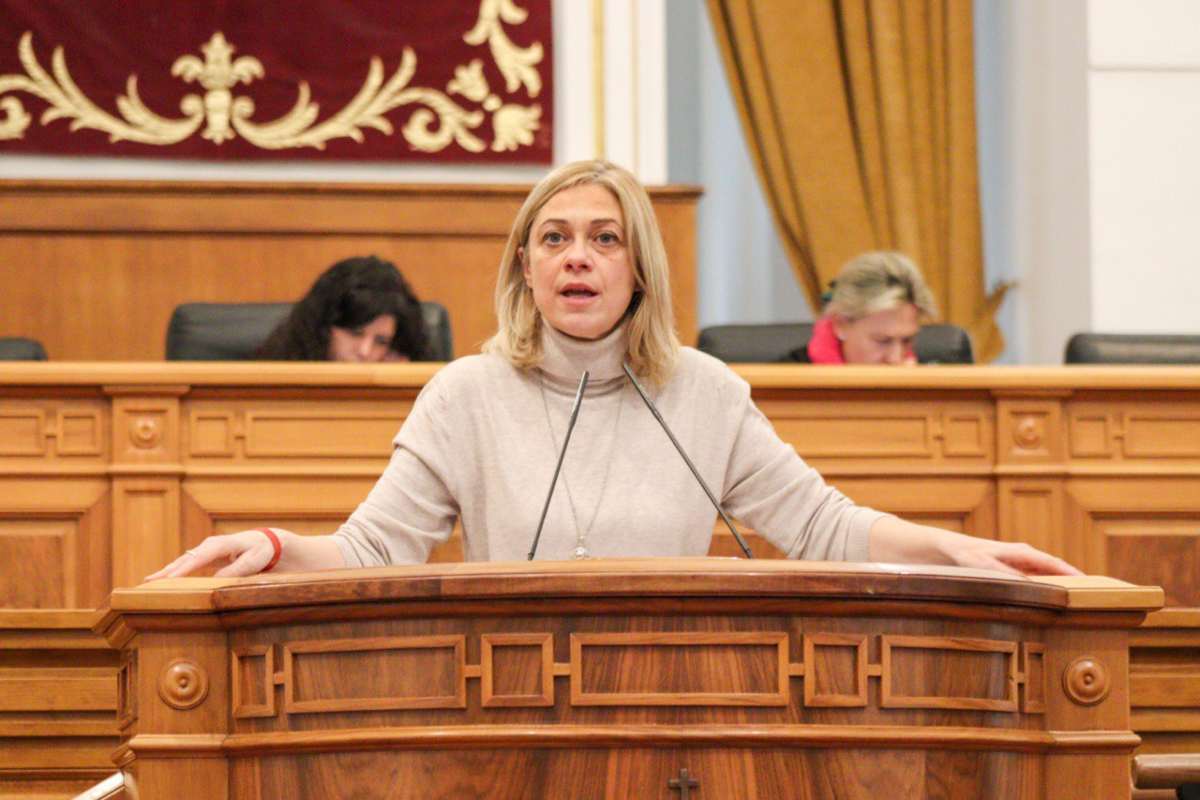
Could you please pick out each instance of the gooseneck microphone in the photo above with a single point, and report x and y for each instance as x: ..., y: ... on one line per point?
x: 583, y: 380
x: 695, y: 472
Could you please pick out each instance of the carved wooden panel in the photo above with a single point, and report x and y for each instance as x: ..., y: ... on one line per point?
x: 393, y: 672
x: 1143, y: 530
x: 146, y: 526
x: 252, y: 687
x: 835, y: 680
x: 894, y: 429
x: 50, y: 429
x: 1164, y: 685
x: 1032, y: 510
x: 516, y: 669
x: 1030, y: 431
x: 54, y: 543
x: 962, y: 504
x: 675, y: 669
x: 985, y: 673
x: 146, y: 429
x: 48, y: 546
x: 1033, y: 683
x: 1152, y: 428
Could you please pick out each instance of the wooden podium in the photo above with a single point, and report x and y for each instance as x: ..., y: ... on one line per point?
x: 662, y: 678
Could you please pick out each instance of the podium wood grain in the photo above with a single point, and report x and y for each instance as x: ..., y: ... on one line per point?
x: 348, y: 686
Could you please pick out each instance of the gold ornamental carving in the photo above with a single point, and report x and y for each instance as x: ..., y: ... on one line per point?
x: 436, y: 122
x: 1086, y: 681
x: 183, y: 684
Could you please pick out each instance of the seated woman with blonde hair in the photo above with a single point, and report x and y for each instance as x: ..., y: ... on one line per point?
x: 583, y: 290
x: 875, y: 308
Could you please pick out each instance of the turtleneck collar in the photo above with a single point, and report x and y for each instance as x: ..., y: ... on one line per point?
x: 564, y: 358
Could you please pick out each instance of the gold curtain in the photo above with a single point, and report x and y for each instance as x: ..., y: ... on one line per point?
x: 860, y: 116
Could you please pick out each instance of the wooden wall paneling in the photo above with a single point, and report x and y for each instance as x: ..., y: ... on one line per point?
x: 852, y: 432
x: 1164, y: 682
x: 54, y: 542
x: 967, y: 505
x: 1033, y: 510
x: 57, y: 703
x: 1142, y: 528
x: 123, y: 254
x: 146, y: 467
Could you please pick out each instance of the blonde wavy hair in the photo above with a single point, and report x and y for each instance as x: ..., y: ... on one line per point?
x: 653, y: 346
x: 879, y: 281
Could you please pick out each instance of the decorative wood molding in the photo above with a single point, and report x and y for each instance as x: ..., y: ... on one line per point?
x: 490, y: 642
x: 630, y: 643
x: 294, y: 652
x: 246, y: 679
x: 1086, y: 681
x: 890, y: 698
x: 183, y: 684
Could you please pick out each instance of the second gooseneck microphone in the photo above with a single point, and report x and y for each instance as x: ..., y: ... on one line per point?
x: 583, y: 380
x: 695, y: 472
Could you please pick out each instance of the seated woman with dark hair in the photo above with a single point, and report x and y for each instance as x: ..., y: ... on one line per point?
x: 360, y: 310
x: 872, y: 313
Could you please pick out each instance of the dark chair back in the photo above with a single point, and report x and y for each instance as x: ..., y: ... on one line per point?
x: 17, y: 348
x: 1132, y: 348
x: 935, y: 344
x: 234, y: 331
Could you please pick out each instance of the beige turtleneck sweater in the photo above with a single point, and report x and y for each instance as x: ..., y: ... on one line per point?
x: 482, y: 439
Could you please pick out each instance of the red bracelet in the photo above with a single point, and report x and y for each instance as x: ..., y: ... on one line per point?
x: 278, y: 549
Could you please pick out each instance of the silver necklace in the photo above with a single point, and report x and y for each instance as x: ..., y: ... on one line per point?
x: 581, y: 534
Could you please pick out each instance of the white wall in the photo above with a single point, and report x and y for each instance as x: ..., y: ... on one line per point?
x: 1144, y: 91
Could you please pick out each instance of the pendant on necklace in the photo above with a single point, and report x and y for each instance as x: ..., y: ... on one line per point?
x: 581, y: 552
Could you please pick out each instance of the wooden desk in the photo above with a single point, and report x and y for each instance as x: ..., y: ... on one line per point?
x: 108, y: 471
x: 610, y: 679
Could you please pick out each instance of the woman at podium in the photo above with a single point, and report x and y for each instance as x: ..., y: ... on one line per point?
x: 583, y: 287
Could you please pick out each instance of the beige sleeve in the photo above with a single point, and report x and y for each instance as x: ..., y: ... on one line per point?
x: 770, y: 488
x: 412, y: 508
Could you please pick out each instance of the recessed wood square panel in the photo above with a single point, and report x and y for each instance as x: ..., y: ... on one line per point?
x: 835, y: 669
x: 45, y: 549
x: 1154, y: 551
x: 385, y: 673
x: 949, y: 673
x: 1162, y: 435
x: 1033, y: 688
x: 679, y: 669
x: 299, y: 434
x: 517, y: 669
x: 842, y: 434
x: 964, y: 435
x: 210, y: 433
x: 80, y: 433
x: 1090, y: 435
x: 22, y: 432
x: 253, y: 684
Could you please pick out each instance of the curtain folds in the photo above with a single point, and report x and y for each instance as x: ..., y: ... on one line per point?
x: 860, y: 118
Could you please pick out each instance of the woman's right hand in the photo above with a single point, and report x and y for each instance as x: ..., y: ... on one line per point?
x: 241, y: 553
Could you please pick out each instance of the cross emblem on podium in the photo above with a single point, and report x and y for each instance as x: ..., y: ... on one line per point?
x: 683, y: 783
